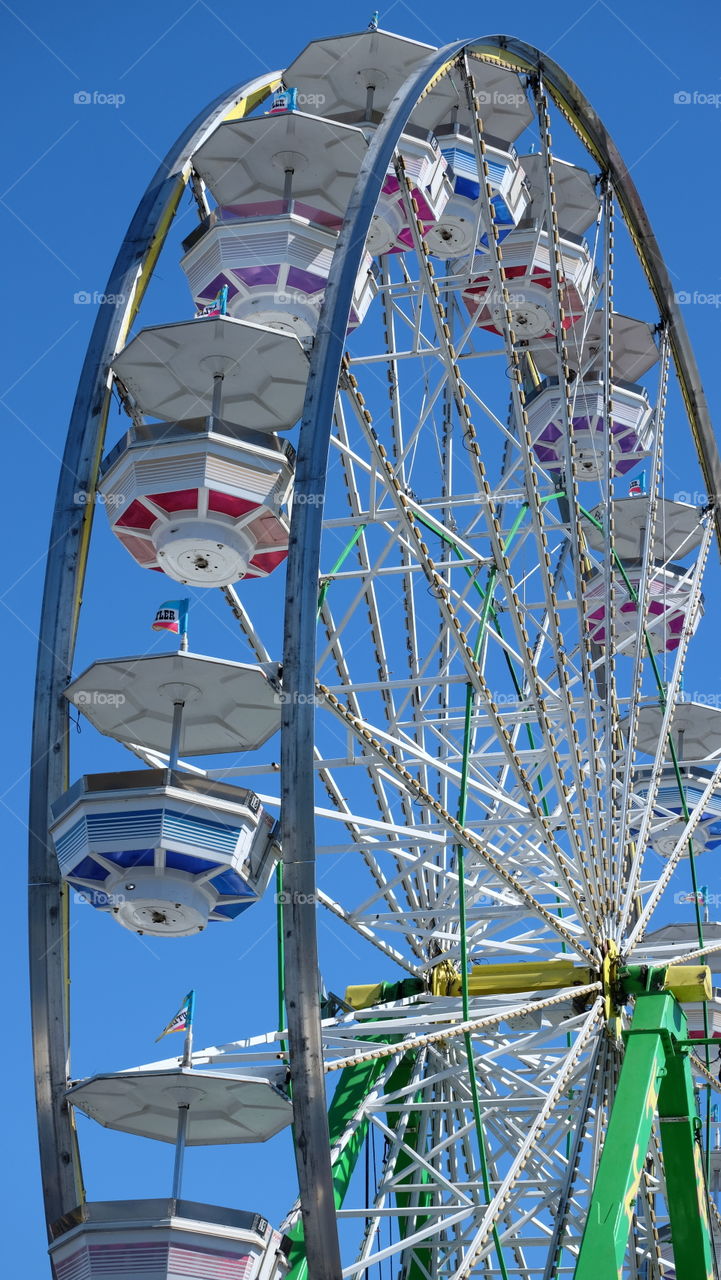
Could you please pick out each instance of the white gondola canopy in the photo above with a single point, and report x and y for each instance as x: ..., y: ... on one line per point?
x: 677, y: 529
x: 222, y: 1107
x: 633, y: 349
x: 576, y: 200
x: 170, y: 370
x: 227, y: 706
x: 695, y: 729
x: 255, y: 167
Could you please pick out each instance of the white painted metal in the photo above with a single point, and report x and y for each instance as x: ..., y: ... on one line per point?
x: 634, y: 348
x: 227, y: 706
x: 223, y: 1107
x: 170, y: 369
x: 245, y: 163
x: 466, y: 706
x: 678, y: 530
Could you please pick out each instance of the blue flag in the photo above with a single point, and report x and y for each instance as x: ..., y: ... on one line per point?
x: 172, y: 616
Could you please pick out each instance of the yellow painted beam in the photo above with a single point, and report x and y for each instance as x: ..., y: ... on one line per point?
x: 689, y: 983
x: 505, y: 979
x: 483, y: 980
x: 362, y: 997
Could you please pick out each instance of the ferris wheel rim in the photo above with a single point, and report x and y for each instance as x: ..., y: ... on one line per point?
x: 303, y: 567
x: 546, y: 68
x: 65, y: 570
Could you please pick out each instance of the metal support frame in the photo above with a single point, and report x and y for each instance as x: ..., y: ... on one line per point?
x: 303, y: 567
x: 65, y: 574
x: 656, y: 1072
x: 353, y: 1087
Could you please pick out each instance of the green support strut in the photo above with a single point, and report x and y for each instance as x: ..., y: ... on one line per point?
x: 656, y: 1074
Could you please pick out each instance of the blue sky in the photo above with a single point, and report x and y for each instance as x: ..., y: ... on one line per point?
x: 73, y: 173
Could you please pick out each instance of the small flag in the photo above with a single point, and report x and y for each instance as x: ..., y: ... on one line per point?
x: 283, y: 100
x: 172, y: 616
x: 218, y: 307
x: 373, y: 24
x: 637, y: 487
x: 183, y: 1020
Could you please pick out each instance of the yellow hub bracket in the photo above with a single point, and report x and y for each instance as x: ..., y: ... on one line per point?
x: 612, y: 1000
x: 688, y: 983
x: 511, y: 979
x: 483, y: 980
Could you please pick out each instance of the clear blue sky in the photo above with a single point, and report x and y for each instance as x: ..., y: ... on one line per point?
x: 72, y: 176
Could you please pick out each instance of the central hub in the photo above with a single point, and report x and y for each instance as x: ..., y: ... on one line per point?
x: 610, y: 985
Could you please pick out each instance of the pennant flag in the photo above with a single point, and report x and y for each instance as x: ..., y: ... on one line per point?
x: 183, y: 1020
x: 637, y: 487
x: 283, y: 100
x: 218, y: 307
x: 172, y: 616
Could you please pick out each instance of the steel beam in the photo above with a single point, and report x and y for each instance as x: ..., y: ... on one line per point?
x: 303, y: 567
x: 656, y: 1073
x: 64, y: 578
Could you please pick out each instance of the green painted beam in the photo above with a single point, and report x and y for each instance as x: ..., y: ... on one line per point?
x: 421, y: 1264
x: 655, y: 1073
x: 605, y: 1237
x: 683, y: 1166
x: 354, y: 1084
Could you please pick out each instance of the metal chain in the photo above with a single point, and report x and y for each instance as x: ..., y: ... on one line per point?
x: 461, y: 1028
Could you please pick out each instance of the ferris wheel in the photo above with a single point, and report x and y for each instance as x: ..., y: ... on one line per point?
x: 466, y: 593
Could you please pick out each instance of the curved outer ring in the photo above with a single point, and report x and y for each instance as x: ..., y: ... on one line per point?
x: 64, y: 577
x: 70, y: 533
x: 303, y: 567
